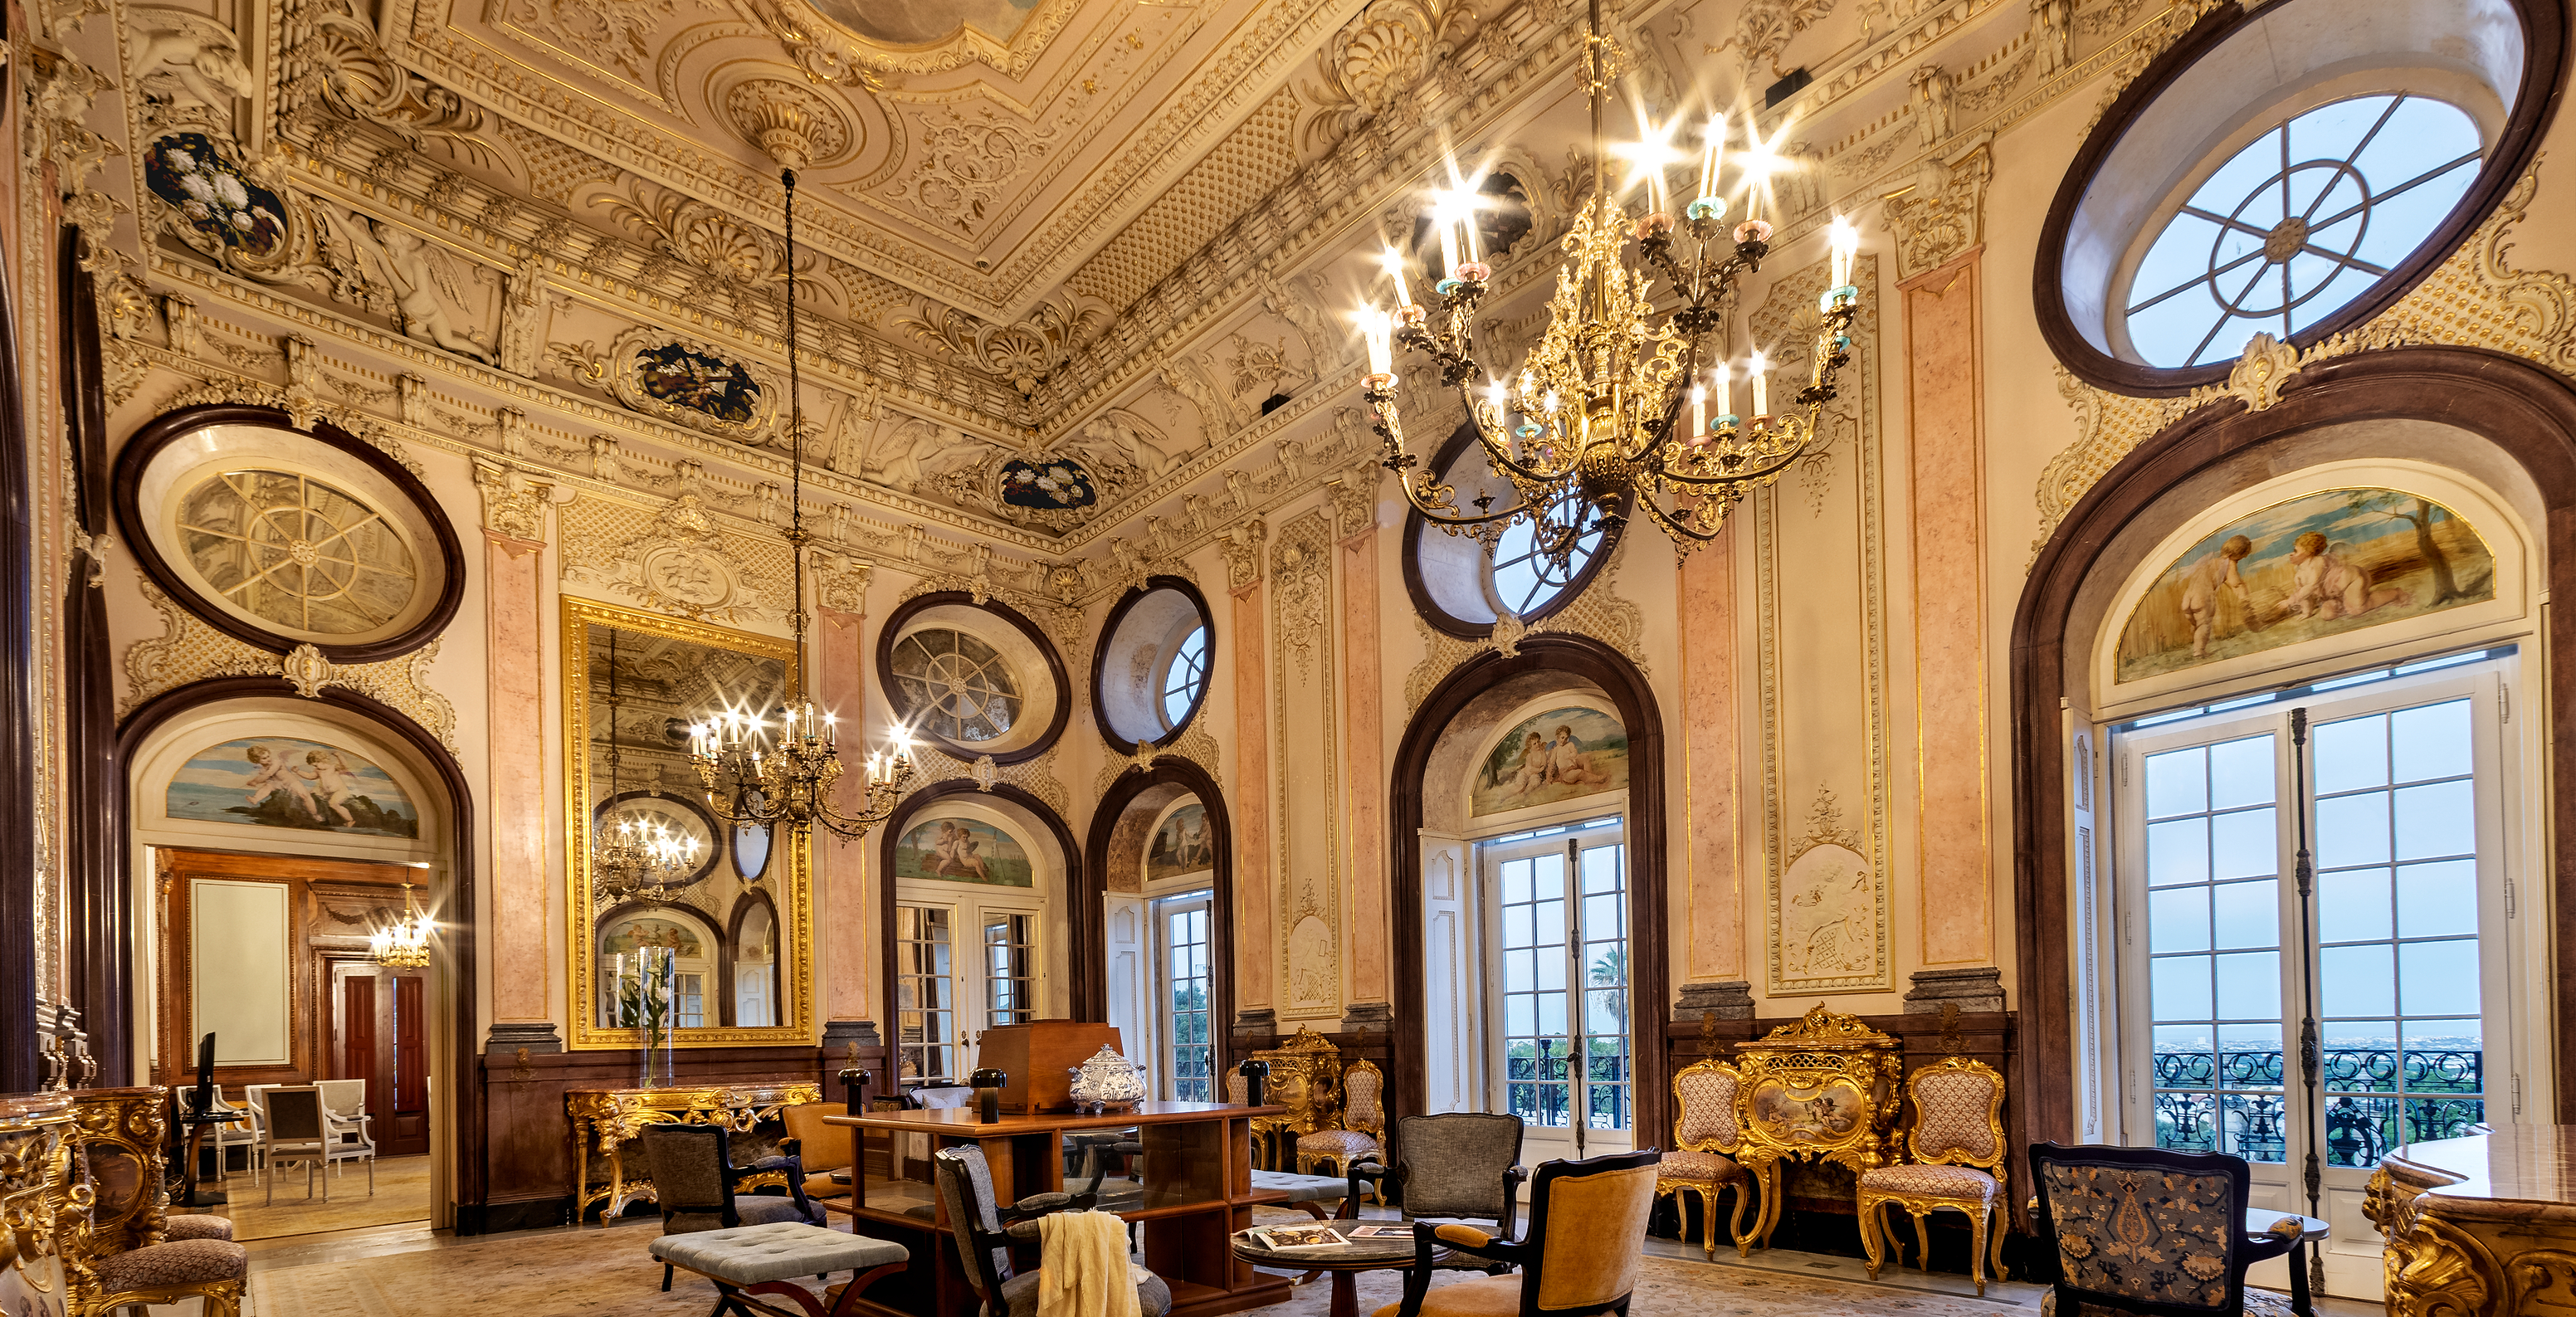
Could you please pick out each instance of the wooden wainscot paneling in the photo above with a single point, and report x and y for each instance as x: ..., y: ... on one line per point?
x: 529, y: 1133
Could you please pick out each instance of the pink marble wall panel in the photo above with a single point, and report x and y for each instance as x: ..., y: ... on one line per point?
x: 846, y: 909
x: 1363, y: 780
x: 1944, y: 399
x: 1712, y: 805
x: 522, y: 895
x: 1248, y: 805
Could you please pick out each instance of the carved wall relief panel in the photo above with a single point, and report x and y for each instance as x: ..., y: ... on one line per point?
x: 1819, y: 545
x: 1308, y: 768
x: 679, y: 562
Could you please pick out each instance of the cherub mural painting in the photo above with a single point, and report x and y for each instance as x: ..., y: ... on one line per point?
x: 963, y: 851
x: 1557, y: 755
x: 1181, y: 845
x: 2318, y: 565
x: 284, y: 782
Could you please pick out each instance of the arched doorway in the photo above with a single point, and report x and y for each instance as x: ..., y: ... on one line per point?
x: 1156, y: 930
x: 301, y: 817
x: 1438, y: 844
x: 976, y: 888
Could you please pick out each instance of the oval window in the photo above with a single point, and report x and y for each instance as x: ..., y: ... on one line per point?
x: 954, y: 686
x: 2298, y: 223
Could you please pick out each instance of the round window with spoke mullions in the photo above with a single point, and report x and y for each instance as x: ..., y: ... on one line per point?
x: 1185, y: 677
x: 954, y: 686
x: 288, y: 549
x: 1535, y: 566
x: 2298, y: 223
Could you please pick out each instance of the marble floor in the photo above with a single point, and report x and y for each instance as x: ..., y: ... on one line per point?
x: 577, y: 1271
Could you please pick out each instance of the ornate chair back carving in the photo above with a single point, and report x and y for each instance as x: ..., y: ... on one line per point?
x: 120, y: 1133
x: 1958, y: 1114
x: 1364, y: 1099
x: 1704, y: 1118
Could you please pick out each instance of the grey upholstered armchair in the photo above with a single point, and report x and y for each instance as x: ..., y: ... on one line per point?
x: 2149, y: 1230
x: 1455, y: 1165
x: 693, y: 1181
x: 986, y: 1233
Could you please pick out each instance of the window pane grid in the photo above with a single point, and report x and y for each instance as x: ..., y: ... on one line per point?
x: 2214, y: 956
x: 1535, y: 1044
x: 1010, y: 969
x: 1189, y: 1049
x: 2403, y: 1051
x: 925, y: 995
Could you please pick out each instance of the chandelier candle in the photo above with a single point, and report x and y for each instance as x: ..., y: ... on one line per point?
x: 1600, y: 399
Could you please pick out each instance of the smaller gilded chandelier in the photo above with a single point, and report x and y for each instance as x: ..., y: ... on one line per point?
x: 635, y: 858
x: 404, y: 943
x: 759, y: 776
x: 1609, y: 412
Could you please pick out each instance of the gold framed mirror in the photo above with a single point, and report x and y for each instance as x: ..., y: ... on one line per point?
x: 737, y: 916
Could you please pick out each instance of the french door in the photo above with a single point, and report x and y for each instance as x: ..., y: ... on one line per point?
x: 2396, y: 791
x: 1181, y: 988
x: 963, y: 963
x: 1556, y: 933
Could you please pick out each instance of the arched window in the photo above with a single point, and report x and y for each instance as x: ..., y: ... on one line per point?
x: 2298, y: 223
x: 1149, y: 674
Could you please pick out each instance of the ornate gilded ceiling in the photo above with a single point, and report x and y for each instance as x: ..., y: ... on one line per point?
x: 1061, y: 266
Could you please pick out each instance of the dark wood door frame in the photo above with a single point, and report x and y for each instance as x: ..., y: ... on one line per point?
x: 1650, y: 1002
x: 458, y: 930
x: 2525, y: 410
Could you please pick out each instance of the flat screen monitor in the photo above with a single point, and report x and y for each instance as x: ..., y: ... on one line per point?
x: 203, y: 1100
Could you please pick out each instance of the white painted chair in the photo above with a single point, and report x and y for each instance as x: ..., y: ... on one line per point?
x: 344, y: 1111
x: 243, y: 1134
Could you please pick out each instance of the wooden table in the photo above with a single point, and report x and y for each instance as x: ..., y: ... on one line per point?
x: 2260, y: 1220
x: 1343, y: 1264
x: 2483, y: 1224
x: 1198, y: 1192
x: 604, y: 1120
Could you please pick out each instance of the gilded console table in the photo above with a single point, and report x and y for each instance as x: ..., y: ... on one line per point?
x: 605, y: 1120
x: 2484, y: 1224
x: 1306, y: 1078
x: 35, y: 1185
x: 1822, y: 1089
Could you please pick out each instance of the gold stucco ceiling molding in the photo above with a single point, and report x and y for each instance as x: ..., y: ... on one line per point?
x: 2475, y: 299
x: 188, y: 650
x: 823, y: 40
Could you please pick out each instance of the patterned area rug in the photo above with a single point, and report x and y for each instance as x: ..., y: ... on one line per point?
x: 574, y: 1273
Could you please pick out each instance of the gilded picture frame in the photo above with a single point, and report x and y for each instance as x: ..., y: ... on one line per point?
x: 788, y: 879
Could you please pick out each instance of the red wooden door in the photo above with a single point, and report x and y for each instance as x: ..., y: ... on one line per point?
x: 408, y: 1130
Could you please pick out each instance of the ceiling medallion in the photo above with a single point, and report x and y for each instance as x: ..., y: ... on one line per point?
x: 1593, y: 416
x: 756, y: 780
x: 791, y: 124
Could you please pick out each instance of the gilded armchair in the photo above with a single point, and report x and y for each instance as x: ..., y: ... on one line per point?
x: 1957, y: 1145
x: 124, y: 1248
x: 1706, y: 1136
x: 1363, y: 1124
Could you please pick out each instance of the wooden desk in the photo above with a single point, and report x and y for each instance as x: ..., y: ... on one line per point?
x: 2483, y: 1224
x: 604, y: 1120
x: 1198, y: 1191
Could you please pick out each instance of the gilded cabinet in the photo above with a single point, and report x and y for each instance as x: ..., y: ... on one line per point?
x: 1822, y: 1089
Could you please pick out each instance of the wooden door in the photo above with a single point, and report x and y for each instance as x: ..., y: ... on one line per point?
x: 378, y: 1035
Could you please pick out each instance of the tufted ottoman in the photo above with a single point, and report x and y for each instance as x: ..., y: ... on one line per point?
x: 764, y: 1259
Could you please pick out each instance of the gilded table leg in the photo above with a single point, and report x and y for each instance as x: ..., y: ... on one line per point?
x: 616, y: 1181
x: 1769, y: 1220
x: 1735, y: 1224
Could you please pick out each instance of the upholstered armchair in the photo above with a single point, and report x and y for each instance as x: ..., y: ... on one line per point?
x: 1957, y: 1151
x: 1455, y: 1164
x: 2149, y: 1230
x: 1586, y: 1241
x: 694, y: 1184
x: 1706, y: 1132
x: 125, y: 1249
x: 1363, y: 1124
x: 819, y: 1146
x: 985, y: 1235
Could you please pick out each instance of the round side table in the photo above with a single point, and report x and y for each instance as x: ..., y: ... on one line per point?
x: 1342, y: 1264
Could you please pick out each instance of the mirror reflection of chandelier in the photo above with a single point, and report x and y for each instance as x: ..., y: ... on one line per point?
x: 756, y: 775
x: 404, y: 943
x: 1593, y: 421
x: 634, y: 857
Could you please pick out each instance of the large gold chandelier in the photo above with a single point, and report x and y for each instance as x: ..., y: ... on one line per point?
x: 755, y: 778
x: 635, y: 858
x: 1594, y: 419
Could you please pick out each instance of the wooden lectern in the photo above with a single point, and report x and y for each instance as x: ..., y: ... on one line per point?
x: 1038, y: 1057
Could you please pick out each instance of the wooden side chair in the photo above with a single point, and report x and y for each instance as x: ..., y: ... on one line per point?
x: 2153, y: 1231
x: 125, y: 1250
x: 1586, y: 1243
x: 1363, y: 1126
x: 1706, y: 1131
x: 985, y: 1234
x: 1957, y: 1145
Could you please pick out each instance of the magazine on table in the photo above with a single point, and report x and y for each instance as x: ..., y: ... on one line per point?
x: 1380, y: 1230
x: 1283, y: 1238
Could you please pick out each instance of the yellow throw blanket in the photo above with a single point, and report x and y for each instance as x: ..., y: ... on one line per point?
x: 1082, y: 1266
